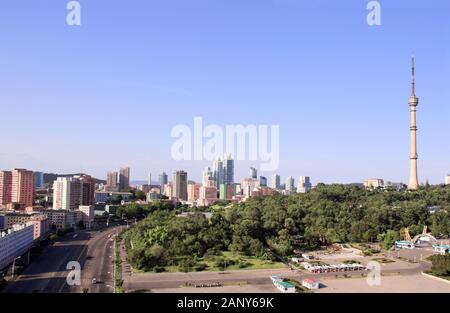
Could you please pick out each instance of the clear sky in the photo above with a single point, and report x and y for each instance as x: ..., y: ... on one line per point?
x: 107, y: 94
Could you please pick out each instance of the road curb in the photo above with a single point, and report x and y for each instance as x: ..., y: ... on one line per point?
x: 436, y: 278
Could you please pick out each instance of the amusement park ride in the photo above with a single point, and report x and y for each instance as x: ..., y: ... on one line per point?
x: 421, y: 240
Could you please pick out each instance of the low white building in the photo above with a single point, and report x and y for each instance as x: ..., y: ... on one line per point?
x: 374, y: 183
x: 441, y: 249
x: 311, y: 283
x: 63, y: 219
x: 307, y: 256
x: 276, y: 279
x: 14, y: 242
x: 285, y: 287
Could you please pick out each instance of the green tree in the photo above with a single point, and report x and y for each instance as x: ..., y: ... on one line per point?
x: 389, y: 238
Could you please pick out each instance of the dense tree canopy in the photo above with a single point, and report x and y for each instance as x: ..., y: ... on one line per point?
x: 277, y: 225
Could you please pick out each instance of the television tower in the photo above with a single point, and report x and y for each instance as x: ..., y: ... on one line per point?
x: 413, y: 103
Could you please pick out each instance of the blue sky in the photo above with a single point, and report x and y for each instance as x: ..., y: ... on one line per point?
x: 107, y: 94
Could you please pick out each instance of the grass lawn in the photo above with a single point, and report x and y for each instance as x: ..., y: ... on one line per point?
x: 253, y: 263
x: 230, y: 259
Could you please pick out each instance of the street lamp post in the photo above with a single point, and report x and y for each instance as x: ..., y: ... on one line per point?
x: 14, y: 265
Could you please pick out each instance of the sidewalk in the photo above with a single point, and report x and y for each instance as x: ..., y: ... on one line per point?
x: 126, y: 267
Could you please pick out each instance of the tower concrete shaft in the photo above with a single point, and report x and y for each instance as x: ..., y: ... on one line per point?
x: 413, y: 103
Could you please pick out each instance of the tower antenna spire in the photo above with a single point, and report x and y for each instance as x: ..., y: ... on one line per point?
x: 413, y: 83
x: 413, y: 103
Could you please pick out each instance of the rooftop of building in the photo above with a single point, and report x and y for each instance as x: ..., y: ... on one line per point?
x: 285, y: 284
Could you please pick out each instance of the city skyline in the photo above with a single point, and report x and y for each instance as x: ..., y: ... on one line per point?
x: 272, y: 72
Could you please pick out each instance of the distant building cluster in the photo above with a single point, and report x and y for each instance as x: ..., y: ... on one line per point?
x: 378, y: 183
x: 118, y: 181
x: 218, y: 184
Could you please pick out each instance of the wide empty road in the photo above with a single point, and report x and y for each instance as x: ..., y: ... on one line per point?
x: 94, y: 250
x: 160, y: 281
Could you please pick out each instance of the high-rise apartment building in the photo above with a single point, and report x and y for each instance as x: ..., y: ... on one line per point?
x: 208, y: 177
x: 262, y: 181
x: 168, y: 191
x: 71, y: 192
x: 87, y: 189
x: 222, y: 171
x: 253, y: 173
x: 162, y: 180
x: 447, y: 180
x: 289, y: 184
x: 66, y: 194
x: 39, y: 176
x: 304, y: 184
x: 111, y: 181
x: 218, y: 172
x: 228, y: 170
x: 193, y: 192
x: 5, y: 187
x: 23, y: 187
x: 180, y: 185
x: 275, y: 181
x: 124, y: 178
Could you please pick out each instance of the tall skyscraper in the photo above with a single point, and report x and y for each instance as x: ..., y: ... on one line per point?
x: 289, y: 184
x: 66, y: 194
x: 253, y: 173
x: 218, y: 172
x: 228, y: 170
x: 39, y: 177
x: 149, y: 179
x: 262, y: 181
x: 87, y: 189
x: 180, y: 185
x: 207, y: 177
x: 447, y: 180
x: 222, y: 171
x: 23, y: 187
x: 5, y: 187
x: 275, y: 181
x: 124, y: 178
x: 162, y: 180
x: 111, y: 181
x: 413, y: 103
x: 71, y: 192
x: 304, y: 184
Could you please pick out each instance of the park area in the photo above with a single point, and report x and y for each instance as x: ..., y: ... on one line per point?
x: 224, y: 261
